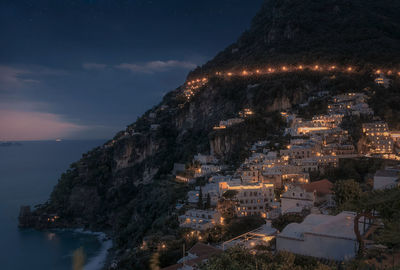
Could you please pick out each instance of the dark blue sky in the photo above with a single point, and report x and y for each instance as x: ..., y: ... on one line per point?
x: 88, y: 68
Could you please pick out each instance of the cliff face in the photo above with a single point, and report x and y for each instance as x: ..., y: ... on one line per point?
x: 125, y: 186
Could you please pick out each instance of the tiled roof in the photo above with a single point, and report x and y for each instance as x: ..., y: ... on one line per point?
x: 322, y: 187
x: 202, y: 251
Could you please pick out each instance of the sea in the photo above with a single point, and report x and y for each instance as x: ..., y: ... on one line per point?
x: 28, y: 173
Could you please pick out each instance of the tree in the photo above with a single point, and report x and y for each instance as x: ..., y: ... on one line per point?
x: 78, y: 259
x: 240, y: 258
x: 208, y: 202
x: 283, y: 220
x: 345, y: 191
x: 200, y: 201
x: 230, y: 194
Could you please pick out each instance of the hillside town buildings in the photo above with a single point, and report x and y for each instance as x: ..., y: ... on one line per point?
x: 275, y: 178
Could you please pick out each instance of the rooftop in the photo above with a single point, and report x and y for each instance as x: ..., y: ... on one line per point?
x: 322, y: 187
x: 339, y: 226
x: 387, y: 173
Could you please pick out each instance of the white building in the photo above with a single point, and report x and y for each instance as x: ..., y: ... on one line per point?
x: 205, y: 159
x: 206, y: 169
x: 321, y: 236
x: 385, y: 179
x: 210, y: 189
x: 252, y: 199
x: 295, y: 199
x: 200, y: 219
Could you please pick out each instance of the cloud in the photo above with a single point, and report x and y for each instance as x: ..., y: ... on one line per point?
x: 11, y: 77
x: 94, y: 66
x: 156, y: 66
x: 23, y: 125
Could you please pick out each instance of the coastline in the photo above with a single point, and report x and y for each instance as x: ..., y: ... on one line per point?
x: 99, y: 261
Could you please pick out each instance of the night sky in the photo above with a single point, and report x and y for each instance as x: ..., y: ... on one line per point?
x: 85, y: 69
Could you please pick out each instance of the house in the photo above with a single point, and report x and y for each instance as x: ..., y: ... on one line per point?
x: 340, y: 150
x: 378, y: 137
x: 205, y: 159
x: 207, y: 169
x: 296, y: 198
x: 322, y: 190
x: 322, y: 236
x: 198, y: 219
x: 198, y: 254
x: 250, y: 175
x: 385, y: 179
x: 252, y: 199
x: 210, y: 189
x: 298, y: 151
x: 331, y: 120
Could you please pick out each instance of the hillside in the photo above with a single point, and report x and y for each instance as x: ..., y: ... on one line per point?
x: 338, y: 31
x: 125, y: 186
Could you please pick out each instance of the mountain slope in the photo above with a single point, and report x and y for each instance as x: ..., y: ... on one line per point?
x: 125, y: 187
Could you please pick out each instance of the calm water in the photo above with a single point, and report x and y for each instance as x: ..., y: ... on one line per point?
x: 27, y: 176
